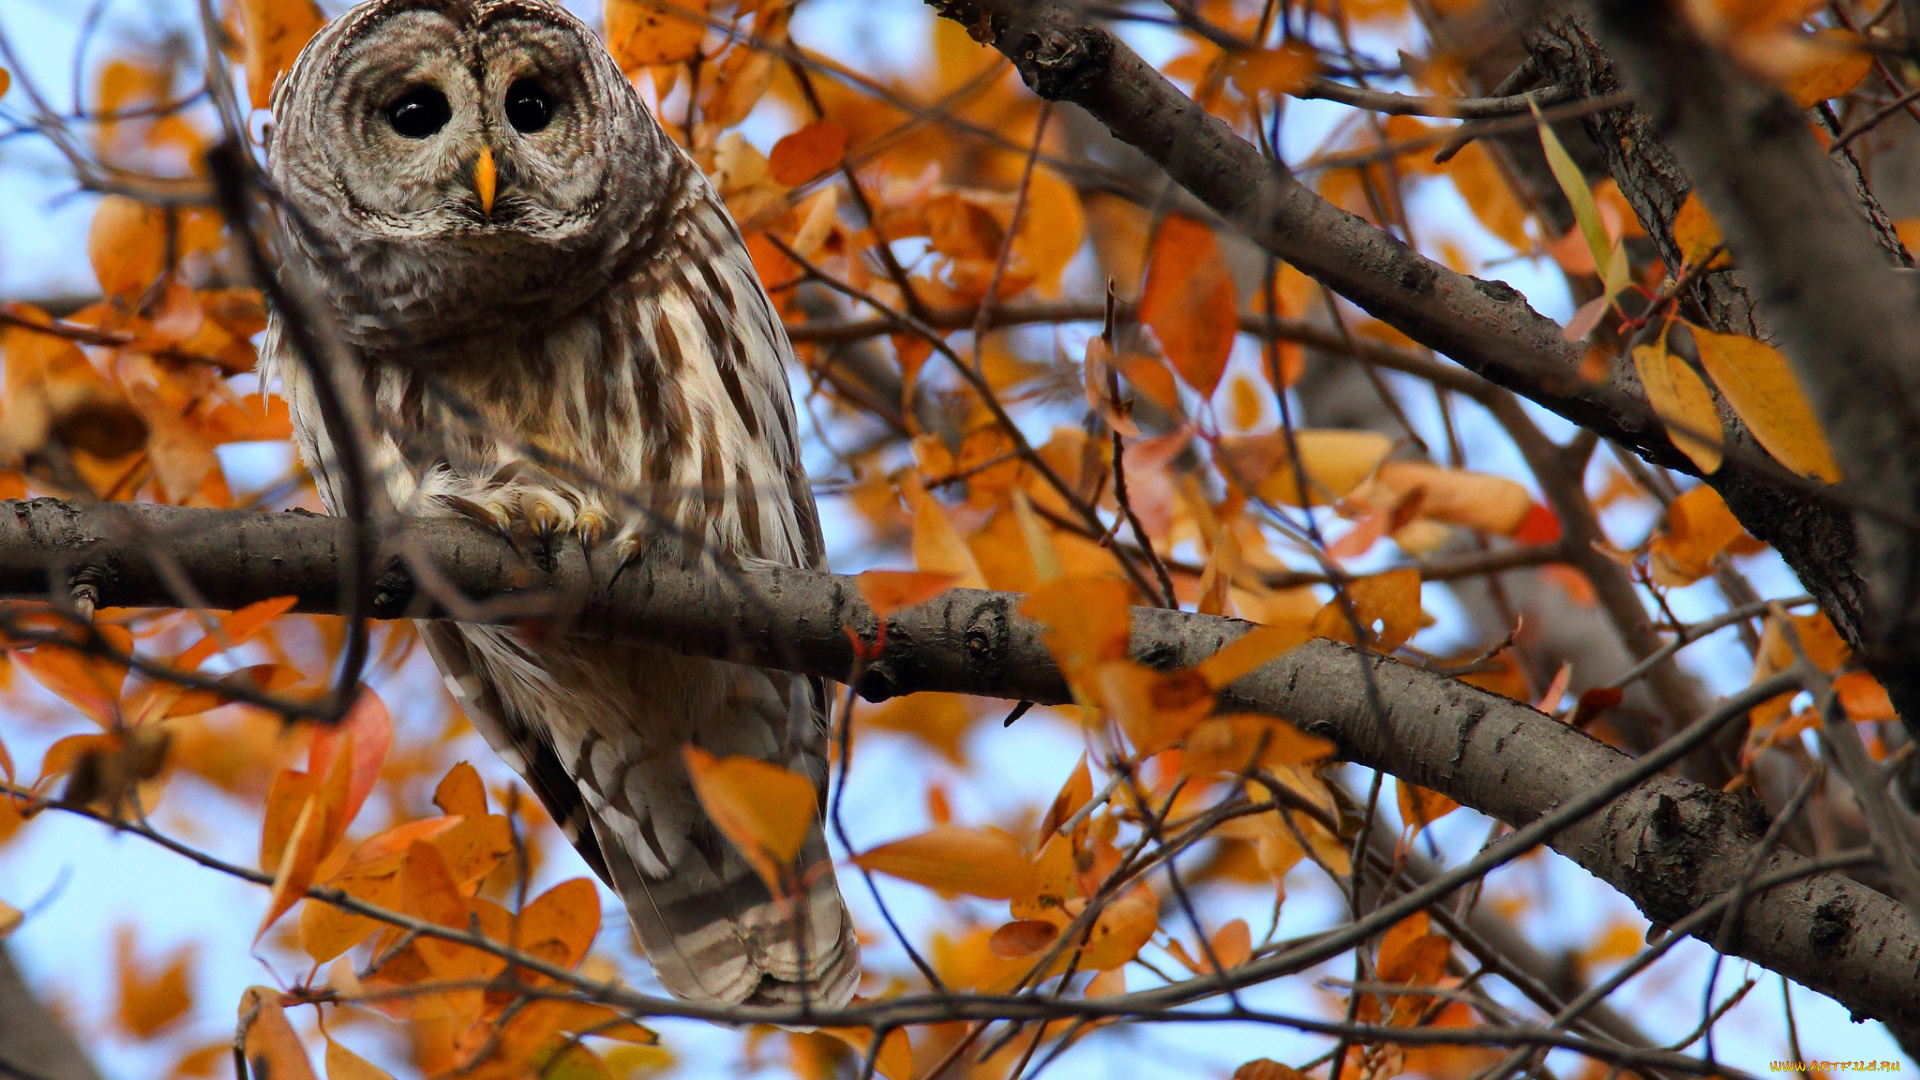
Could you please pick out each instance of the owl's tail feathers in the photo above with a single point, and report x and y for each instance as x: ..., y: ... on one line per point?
x: 717, y: 935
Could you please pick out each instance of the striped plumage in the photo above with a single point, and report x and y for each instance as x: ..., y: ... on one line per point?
x: 600, y: 309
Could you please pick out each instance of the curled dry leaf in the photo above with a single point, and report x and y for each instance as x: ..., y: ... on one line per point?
x: 1698, y: 528
x: 955, y: 859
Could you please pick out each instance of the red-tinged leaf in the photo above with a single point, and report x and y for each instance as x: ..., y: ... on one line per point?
x: 371, y: 729
x: 1540, y: 526
x: 1549, y: 702
x: 955, y: 859
x: 267, y: 1039
x: 888, y: 591
x: 1594, y: 703
x: 236, y: 629
x: 1190, y: 302
x: 461, y: 792
x: 286, y: 800
x: 807, y: 153
x: 1022, y: 937
x: 764, y: 810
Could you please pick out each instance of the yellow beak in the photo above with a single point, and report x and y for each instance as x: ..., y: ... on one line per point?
x: 484, y: 180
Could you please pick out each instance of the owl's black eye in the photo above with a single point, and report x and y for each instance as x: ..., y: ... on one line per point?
x: 529, y: 108
x: 419, y: 112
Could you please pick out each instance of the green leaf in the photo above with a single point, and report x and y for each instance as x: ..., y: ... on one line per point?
x: 1579, y: 196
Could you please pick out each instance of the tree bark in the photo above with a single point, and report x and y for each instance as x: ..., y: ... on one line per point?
x: 1669, y: 845
x: 34, y: 1044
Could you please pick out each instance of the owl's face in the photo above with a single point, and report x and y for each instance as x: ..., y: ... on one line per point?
x: 465, y: 154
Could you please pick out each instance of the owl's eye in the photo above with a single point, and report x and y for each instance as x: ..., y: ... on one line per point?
x: 419, y: 112
x: 529, y: 108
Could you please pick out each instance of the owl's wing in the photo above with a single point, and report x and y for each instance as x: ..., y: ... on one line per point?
x: 517, y: 744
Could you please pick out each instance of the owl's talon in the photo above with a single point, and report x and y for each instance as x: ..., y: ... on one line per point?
x: 544, y: 520
x: 591, y: 525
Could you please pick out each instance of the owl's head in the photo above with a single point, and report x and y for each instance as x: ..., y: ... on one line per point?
x: 461, y: 162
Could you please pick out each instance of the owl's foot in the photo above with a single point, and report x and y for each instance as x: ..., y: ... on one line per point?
x: 541, y: 515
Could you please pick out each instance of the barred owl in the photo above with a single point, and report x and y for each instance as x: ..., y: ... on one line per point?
x: 526, y: 264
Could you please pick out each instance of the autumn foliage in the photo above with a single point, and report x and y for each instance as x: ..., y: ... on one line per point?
x: 1025, y: 368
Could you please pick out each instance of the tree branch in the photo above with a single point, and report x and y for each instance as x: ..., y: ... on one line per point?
x: 1669, y: 845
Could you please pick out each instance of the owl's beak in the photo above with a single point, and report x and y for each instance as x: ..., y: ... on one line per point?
x: 484, y: 180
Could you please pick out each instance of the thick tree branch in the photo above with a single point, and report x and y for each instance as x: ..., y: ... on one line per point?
x: 1669, y: 845
x: 34, y: 1044
x: 1486, y: 326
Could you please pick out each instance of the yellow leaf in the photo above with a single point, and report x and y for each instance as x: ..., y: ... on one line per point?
x: 1249, y: 652
x: 151, y: 999
x: 1335, y: 462
x: 895, y: 1061
x: 274, y: 32
x: 643, y: 33
x: 10, y: 919
x: 267, y: 1040
x: 816, y: 221
x: 127, y: 245
x: 1760, y: 385
x: 1682, y: 401
x: 1387, y: 607
x: 1040, y: 548
x: 1123, y: 927
x: 939, y: 720
x: 344, y: 1064
x: 763, y: 809
x: 955, y: 859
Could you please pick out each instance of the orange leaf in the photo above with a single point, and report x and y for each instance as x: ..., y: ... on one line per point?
x: 460, y: 792
x: 1155, y: 708
x: 1022, y: 937
x: 888, y: 591
x: 1409, y: 954
x: 1834, y: 62
x: 1233, y: 944
x: 297, y: 860
x: 895, y: 1061
x: 807, y: 153
x: 1190, y: 302
x: 366, y: 734
x: 150, y: 999
x: 1051, y: 229
x: 765, y: 810
x: 274, y: 32
x: 1420, y: 808
x: 1695, y: 232
x: 1285, y: 70
x: 1122, y: 928
x: 1698, y: 527
x: 286, y: 800
x: 1234, y: 744
x: 1387, y: 607
x: 1088, y: 620
x: 1475, y: 500
x: 172, y: 700
x: 1863, y: 697
x: 954, y: 859
x: 236, y: 629
x: 642, y: 33
x: 937, y: 547
x: 267, y: 1040
x: 10, y: 919
x: 344, y: 1064
x: 1074, y: 794
x: 1763, y: 390
x: 1335, y: 462
x: 1250, y: 652
x: 127, y: 244
x: 90, y: 683
x: 1682, y: 401
x: 1267, y: 1069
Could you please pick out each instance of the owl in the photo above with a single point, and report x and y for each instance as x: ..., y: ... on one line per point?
x: 562, y: 336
